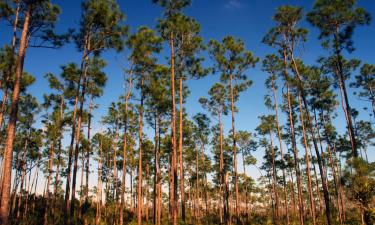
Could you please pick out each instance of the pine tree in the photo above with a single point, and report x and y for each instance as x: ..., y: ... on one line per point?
x: 231, y: 61
x: 38, y: 21
x: 336, y: 21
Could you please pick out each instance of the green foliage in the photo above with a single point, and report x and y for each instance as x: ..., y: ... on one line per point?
x: 361, y: 182
x: 101, y: 27
x: 336, y: 20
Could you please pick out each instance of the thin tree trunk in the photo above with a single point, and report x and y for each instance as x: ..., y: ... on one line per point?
x: 140, y: 196
x: 294, y: 145
x: 307, y: 158
x: 312, y: 132
x: 182, y: 186
x: 345, y: 102
x: 78, y: 131
x: 10, y: 69
x: 99, y: 191
x: 8, y: 151
x: 274, y: 180
x: 89, y: 148
x: 23, y: 174
x: 173, y: 197
x: 46, y: 195
x: 281, y: 151
x: 74, y: 122
x: 234, y: 145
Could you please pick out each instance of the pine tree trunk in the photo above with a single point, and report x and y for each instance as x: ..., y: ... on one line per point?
x: 71, y: 146
x: 7, y: 77
x: 294, y: 145
x: 182, y: 186
x: 154, y: 197
x: 274, y: 180
x: 312, y: 133
x: 345, y: 99
x: 77, y: 141
x: 307, y: 158
x: 140, y: 196
x: 173, y: 197
x: 8, y: 151
x: 159, y: 177
x: 89, y: 149
x: 23, y: 175
x: 99, y: 191
x: 124, y: 164
x: 234, y: 145
x: 115, y: 177
x: 279, y: 135
x: 46, y: 195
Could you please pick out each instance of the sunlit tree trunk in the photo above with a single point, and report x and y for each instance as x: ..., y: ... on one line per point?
x: 234, y: 144
x: 274, y: 180
x: 182, y: 186
x: 294, y: 145
x: 10, y: 71
x: 10, y: 134
x: 46, y: 194
x: 173, y: 197
x: 99, y: 191
x: 312, y: 132
x: 279, y: 135
x: 140, y: 196
x: 307, y: 158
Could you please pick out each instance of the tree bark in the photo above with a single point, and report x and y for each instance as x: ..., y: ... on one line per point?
x: 281, y: 150
x: 173, y: 197
x: 8, y: 151
x: 182, y: 186
x: 307, y: 158
x: 234, y: 145
x: 140, y: 196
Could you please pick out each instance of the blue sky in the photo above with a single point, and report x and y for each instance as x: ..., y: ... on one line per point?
x: 245, y: 19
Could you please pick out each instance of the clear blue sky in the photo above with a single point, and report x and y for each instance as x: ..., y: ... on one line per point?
x: 246, y: 19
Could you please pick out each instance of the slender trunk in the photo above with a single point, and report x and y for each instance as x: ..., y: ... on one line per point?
x: 294, y: 145
x: 7, y: 77
x: 154, y: 194
x: 71, y: 146
x: 345, y: 103
x: 274, y: 179
x: 8, y: 151
x: 140, y: 196
x: 24, y: 214
x: 99, y: 191
x: 81, y: 196
x: 89, y: 149
x: 124, y: 165
x: 279, y: 135
x: 182, y: 186
x: 70, y: 157
x: 36, y: 177
x: 307, y: 158
x: 234, y: 144
x: 173, y: 197
x: 57, y: 177
x: 197, y: 184
x: 23, y: 174
x: 312, y: 132
x: 46, y: 195
x: 115, y: 177
x: 78, y: 130
x: 159, y: 177
x: 75, y: 163
x: 224, y: 193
